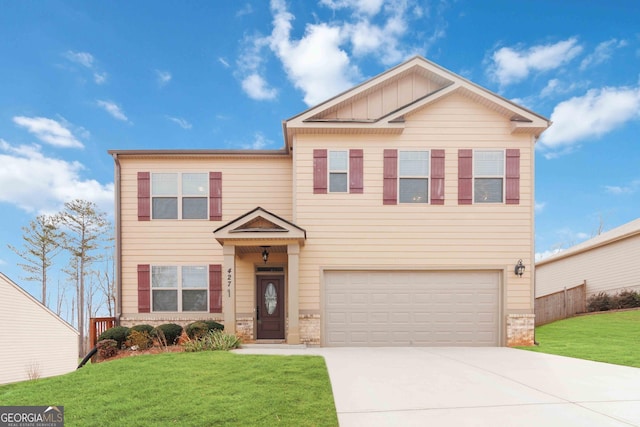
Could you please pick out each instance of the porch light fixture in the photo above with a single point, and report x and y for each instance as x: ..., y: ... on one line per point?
x: 519, y: 270
x: 265, y: 253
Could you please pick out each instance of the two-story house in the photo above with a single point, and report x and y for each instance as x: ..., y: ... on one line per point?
x: 396, y: 214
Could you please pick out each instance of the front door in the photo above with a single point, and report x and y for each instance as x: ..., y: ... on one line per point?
x: 270, y: 307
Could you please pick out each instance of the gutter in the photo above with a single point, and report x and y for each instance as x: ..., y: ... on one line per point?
x: 118, y: 232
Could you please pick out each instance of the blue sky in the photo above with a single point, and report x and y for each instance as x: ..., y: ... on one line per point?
x: 79, y: 78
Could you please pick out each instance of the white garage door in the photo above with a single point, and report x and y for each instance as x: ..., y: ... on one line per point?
x: 404, y: 308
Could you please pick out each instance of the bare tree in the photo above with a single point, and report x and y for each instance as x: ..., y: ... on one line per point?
x: 85, y: 230
x: 42, y: 242
x: 107, y: 284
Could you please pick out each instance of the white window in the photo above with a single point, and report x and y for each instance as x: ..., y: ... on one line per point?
x: 176, y: 288
x: 413, y: 174
x: 338, y: 171
x: 488, y: 176
x: 179, y: 196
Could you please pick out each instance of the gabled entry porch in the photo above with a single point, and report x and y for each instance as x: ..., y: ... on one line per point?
x: 260, y: 276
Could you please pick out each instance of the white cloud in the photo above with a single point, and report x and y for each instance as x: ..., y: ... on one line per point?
x: 367, y: 7
x: 546, y: 254
x: 602, y: 53
x: 180, y: 122
x: 88, y: 61
x: 257, y: 88
x: 163, y: 77
x: 113, y: 109
x: 319, y: 62
x: 246, y: 10
x: 36, y: 183
x: 49, y: 131
x: 260, y: 142
x: 511, y: 65
x: 224, y: 62
x: 539, y: 206
x: 617, y: 190
x: 594, y: 114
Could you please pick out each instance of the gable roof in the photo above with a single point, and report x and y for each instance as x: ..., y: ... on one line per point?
x: 259, y: 225
x: 5, y: 281
x: 409, y: 86
x: 625, y: 231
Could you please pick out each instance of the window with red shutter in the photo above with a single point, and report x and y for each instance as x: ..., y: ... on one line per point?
x: 215, y: 288
x: 512, y: 188
x: 319, y: 171
x: 356, y: 167
x: 215, y: 196
x: 390, y: 177
x: 144, y: 196
x: 144, y: 288
x: 465, y: 177
x: 437, y: 177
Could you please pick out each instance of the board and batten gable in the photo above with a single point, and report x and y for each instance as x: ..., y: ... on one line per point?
x: 50, y: 345
x: 348, y: 230
x: 606, y: 263
x: 248, y: 180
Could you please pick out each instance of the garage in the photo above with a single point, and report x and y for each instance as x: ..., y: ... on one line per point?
x: 411, y: 308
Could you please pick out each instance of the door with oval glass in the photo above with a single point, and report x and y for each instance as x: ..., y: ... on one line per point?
x: 270, y: 307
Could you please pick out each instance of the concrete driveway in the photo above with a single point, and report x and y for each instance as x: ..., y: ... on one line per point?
x: 420, y: 386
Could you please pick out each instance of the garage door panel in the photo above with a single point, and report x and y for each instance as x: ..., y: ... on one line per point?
x: 411, y: 308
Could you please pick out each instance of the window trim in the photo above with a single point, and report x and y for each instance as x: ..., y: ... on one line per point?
x: 400, y: 177
x: 180, y: 197
x: 179, y: 288
x: 503, y: 177
x: 346, y: 171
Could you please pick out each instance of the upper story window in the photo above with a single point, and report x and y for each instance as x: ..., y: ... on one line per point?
x: 488, y: 176
x: 176, y: 288
x: 179, y: 195
x: 338, y: 171
x: 413, y: 174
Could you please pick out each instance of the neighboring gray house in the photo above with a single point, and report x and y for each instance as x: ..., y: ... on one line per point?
x: 609, y: 262
x: 36, y: 343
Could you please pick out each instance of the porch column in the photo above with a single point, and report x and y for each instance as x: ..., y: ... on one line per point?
x: 293, y: 333
x: 229, y: 288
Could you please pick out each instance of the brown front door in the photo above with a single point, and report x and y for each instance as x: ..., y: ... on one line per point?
x: 270, y: 307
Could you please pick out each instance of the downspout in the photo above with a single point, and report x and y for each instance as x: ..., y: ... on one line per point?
x: 118, y: 232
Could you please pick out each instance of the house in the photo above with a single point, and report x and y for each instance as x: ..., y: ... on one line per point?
x: 36, y: 342
x: 394, y: 215
x: 606, y: 263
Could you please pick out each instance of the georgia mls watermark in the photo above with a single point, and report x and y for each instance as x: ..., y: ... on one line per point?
x: 31, y: 416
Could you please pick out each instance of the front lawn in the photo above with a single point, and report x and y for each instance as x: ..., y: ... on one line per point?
x: 188, y: 389
x: 603, y: 337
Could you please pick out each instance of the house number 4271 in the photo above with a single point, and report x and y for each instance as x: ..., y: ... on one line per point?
x: 229, y: 282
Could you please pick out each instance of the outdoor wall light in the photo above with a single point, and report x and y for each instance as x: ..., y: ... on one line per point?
x: 265, y: 253
x: 519, y: 270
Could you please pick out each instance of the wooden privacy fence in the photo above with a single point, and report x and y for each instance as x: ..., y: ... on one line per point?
x: 561, y: 304
x: 98, y: 326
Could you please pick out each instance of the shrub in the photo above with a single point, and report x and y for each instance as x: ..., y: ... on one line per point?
x: 142, y: 328
x: 197, y: 330
x: 140, y: 339
x: 169, y: 331
x: 213, y: 325
x: 213, y: 340
x: 107, y: 348
x: 627, y: 299
x: 117, y: 333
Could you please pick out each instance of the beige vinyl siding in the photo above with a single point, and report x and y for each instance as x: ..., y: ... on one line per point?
x: 609, y: 268
x: 358, y: 230
x: 35, y: 338
x: 246, y: 184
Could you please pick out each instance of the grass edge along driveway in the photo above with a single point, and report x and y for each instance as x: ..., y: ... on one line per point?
x: 610, y: 337
x: 188, y: 389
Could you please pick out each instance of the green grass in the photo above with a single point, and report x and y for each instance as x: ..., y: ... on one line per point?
x: 606, y: 337
x: 188, y: 389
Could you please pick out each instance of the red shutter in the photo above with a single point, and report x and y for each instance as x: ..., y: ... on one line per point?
x: 356, y: 171
x: 215, y: 288
x: 465, y: 177
x: 320, y: 171
x: 390, y: 178
x: 513, y: 177
x: 144, y: 288
x: 215, y: 196
x: 144, y: 193
x: 437, y: 177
